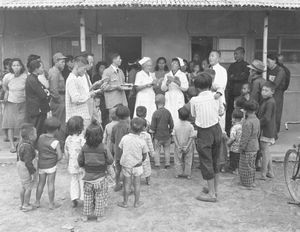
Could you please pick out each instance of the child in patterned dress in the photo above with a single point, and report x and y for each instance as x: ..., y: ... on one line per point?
x: 73, y: 145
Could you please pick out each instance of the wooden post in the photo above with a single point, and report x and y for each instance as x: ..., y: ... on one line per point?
x: 82, y: 32
x: 265, y: 43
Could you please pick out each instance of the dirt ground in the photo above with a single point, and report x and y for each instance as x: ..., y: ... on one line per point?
x: 170, y: 205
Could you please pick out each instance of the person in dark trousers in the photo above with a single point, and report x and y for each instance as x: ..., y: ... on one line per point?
x: 277, y: 75
x: 280, y: 59
x: 267, y: 117
x: 238, y: 74
x: 37, y: 97
x: 256, y: 80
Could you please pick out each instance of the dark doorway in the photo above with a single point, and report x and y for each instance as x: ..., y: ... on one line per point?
x: 201, y: 45
x: 129, y: 47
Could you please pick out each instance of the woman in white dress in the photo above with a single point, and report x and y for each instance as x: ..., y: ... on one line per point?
x: 175, y: 83
x: 144, y: 82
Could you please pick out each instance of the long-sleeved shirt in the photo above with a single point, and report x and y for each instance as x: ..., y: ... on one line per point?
x: 36, y: 97
x: 26, y: 154
x: 277, y: 76
x: 256, y: 82
x: 77, y: 97
x: 220, y: 81
x: 56, y: 85
x: 267, y: 117
x: 238, y: 74
x: 206, y: 109
x: 162, y: 124
x: 250, y: 134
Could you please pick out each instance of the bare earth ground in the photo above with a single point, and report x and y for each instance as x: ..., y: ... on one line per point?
x: 170, y: 205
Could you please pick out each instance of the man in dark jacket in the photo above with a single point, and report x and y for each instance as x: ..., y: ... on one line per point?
x: 37, y: 97
x: 238, y: 74
x: 276, y: 74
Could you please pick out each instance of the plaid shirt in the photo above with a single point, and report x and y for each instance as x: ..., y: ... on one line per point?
x: 77, y: 97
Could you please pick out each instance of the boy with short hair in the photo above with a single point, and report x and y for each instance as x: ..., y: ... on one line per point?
x: 134, y: 151
x: 234, y: 140
x: 207, y: 111
x: 161, y: 126
x: 25, y: 163
x: 141, y: 112
x: 96, y: 110
x: 118, y: 131
x: 267, y: 117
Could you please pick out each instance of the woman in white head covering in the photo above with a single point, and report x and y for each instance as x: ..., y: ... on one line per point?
x: 175, y: 83
x: 144, y: 85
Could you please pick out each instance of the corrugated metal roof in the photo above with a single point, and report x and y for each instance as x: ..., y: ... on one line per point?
x: 15, y: 4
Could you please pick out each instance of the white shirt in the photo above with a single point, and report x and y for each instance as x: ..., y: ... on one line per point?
x: 220, y: 81
x: 77, y: 96
x: 206, y: 109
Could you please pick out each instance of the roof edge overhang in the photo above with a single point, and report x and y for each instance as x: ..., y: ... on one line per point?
x: 167, y: 7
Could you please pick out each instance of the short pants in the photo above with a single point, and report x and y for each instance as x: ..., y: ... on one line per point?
x: 48, y: 170
x: 136, y: 171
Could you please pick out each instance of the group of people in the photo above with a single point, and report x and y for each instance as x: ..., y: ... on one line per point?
x: 85, y: 117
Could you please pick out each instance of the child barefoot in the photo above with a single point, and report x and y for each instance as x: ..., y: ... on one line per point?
x: 134, y: 152
x: 183, y: 135
x: 73, y: 145
x: 234, y: 140
x: 146, y: 164
x: 26, y: 170
x: 49, y: 154
x: 249, y: 144
x: 94, y: 159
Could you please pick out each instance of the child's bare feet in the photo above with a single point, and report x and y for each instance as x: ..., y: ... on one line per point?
x: 138, y: 204
x: 37, y: 204
x: 53, y: 206
x: 100, y: 219
x: 26, y: 208
x: 84, y: 218
x: 123, y: 205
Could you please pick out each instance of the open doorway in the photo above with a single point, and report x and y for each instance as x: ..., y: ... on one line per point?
x: 201, y: 45
x: 129, y: 47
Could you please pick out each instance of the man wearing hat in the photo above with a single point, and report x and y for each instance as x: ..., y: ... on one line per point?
x: 57, y: 91
x: 256, y: 80
x: 277, y: 75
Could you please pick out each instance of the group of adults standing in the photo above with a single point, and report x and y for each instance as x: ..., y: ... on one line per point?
x: 71, y: 84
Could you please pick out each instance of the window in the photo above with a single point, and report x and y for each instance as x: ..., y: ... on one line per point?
x: 227, y: 46
x: 288, y: 47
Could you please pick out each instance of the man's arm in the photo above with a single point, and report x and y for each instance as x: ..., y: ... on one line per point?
x: 53, y: 85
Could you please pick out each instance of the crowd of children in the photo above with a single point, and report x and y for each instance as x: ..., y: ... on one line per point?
x: 123, y: 150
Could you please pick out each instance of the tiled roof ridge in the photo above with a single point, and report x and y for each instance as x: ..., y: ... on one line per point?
x: 23, y: 4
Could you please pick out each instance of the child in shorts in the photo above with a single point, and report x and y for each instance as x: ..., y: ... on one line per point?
x: 25, y: 164
x: 73, y: 145
x: 234, y: 140
x: 49, y: 154
x: 118, y: 131
x: 94, y: 159
x: 161, y: 126
x: 183, y: 135
x: 134, y: 152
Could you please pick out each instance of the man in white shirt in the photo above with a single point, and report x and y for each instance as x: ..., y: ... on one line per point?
x: 207, y: 110
x: 220, y: 80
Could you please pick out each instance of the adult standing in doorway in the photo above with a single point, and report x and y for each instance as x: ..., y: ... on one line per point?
x: 220, y: 80
x: 277, y: 75
x: 238, y: 74
x: 174, y: 84
x: 57, y: 90
x: 113, y: 78
x: 161, y: 69
x: 144, y: 82
x: 37, y: 97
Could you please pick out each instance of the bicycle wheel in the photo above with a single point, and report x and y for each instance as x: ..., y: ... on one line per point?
x: 291, y: 174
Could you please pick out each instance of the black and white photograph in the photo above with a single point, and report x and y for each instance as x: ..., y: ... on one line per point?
x: 150, y: 115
